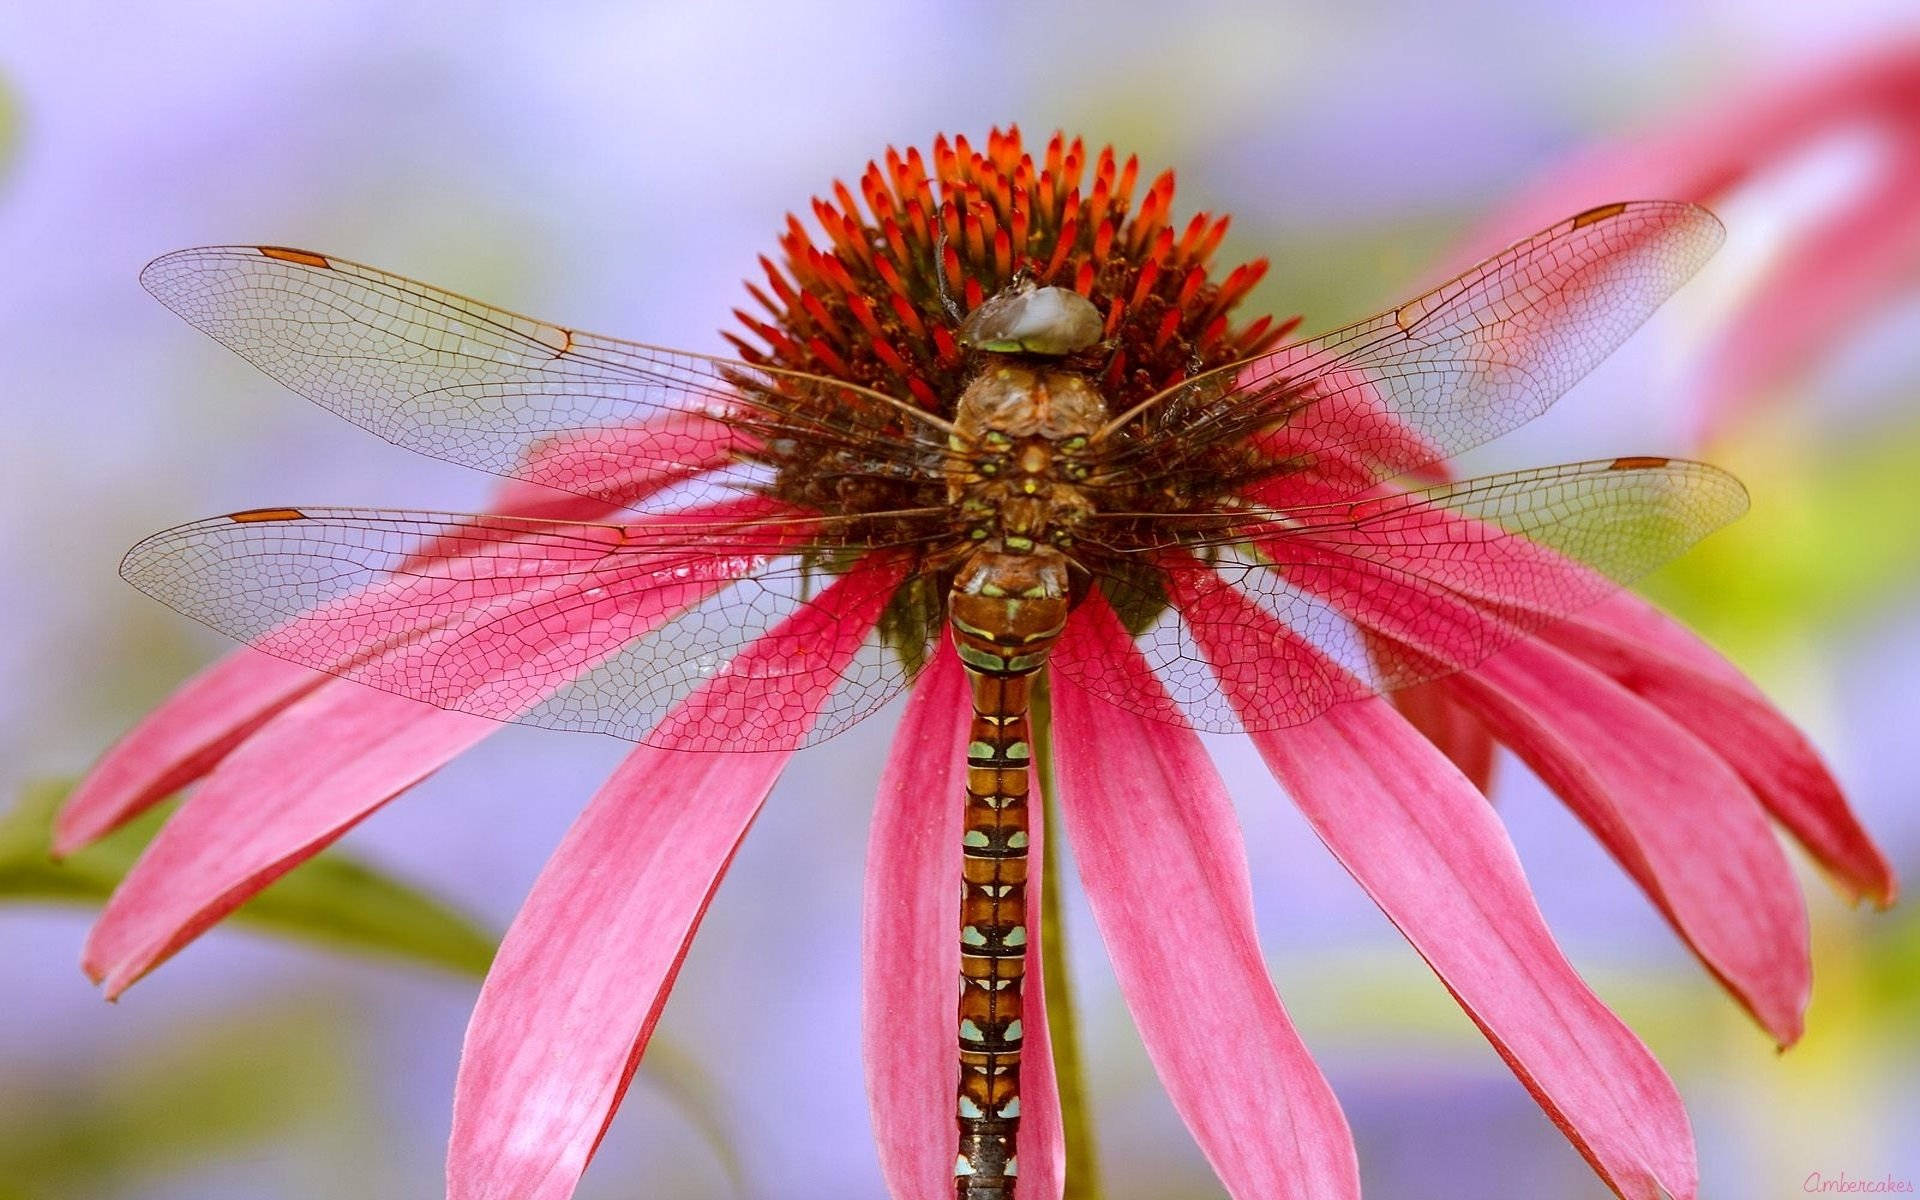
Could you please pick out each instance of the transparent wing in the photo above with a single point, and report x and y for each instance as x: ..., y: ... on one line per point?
x: 1382, y: 593
x: 1454, y: 368
x: 463, y: 381
x: 726, y: 634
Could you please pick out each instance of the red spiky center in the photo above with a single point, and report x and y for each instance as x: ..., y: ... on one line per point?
x: 877, y: 305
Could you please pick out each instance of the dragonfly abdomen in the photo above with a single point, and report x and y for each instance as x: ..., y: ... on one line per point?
x: 1006, y: 611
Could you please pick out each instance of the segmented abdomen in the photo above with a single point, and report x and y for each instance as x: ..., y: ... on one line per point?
x: 1003, y: 642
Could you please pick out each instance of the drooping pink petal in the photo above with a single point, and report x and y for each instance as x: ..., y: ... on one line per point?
x: 1664, y: 663
x: 580, y: 979
x: 1178, y: 925
x: 178, y: 742
x: 1807, y: 303
x: 1431, y: 853
x: 911, y: 957
x: 217, y: 710
x: 1415, y: 834
x: 290, y: 790
x: 909, y: 936
x: 304, y: 778
x: 519, y: 609
x: 1675, y: 815
x: 1417, y: 590
x: 1453, y: 730
x: 1439, y: 589
x: 771, y: 685
x: 1417, y: 585
x: 1736, y: 906
x: 582, y: 974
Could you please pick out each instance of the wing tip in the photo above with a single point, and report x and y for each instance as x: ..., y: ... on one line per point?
x: 161, y: 275
x: 1712, y: 230
x: 143, y: 554
x: 135, y: 563
x: 1729, y: 497
x: 1706, y: 230
x: 1738, y: 500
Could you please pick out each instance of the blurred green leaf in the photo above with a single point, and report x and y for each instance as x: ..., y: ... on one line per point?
x: 677, y: 1075
x: 1830, y: 537
x: 253, y: 1075
x: 331, y: 899
x: 9, y: 127
x: 1893, y: 961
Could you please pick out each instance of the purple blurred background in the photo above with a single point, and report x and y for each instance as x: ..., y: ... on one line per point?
x: 617, y: 167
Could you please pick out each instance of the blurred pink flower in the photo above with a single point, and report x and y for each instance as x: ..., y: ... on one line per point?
x: 1851, y: 255
x: 1664, y: 750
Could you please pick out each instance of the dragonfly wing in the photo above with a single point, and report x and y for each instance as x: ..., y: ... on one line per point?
x: 723, y: 634
x: 1340, y: 601
x: 1464, y: 363
x: 464, y: 381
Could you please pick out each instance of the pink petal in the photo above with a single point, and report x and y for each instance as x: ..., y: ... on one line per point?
x: 623, y: 466
x: 1674, y: 814
x: 1663, y: 663
x: 911, y: 953
x: 518, y: 613
x: 912, y: 957
x: 1176, y: 911
x: 583, y: 973
x: 178, y: 742
x: 1422, y: 590
x: 305, y: 778
x: 1453, y: 730
x: 209, y: 715
x: 1828, y: 282
x: 518, y: 498
x: 765, y: 697
x: 580, y: 978
x: 1844, y: 263
x: 1431, y: 853
x: 1356, y: 438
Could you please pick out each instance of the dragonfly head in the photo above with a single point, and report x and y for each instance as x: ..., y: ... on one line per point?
x: 1024, y: 319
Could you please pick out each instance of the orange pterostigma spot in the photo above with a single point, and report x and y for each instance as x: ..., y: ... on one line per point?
x: 1599, y: 214
x: 267, y: 514
x: 305, y: 258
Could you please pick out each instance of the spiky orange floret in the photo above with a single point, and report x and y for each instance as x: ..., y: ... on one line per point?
x: 877, y: 305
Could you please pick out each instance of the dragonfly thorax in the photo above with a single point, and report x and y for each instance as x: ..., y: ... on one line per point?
x: 1018, y: 456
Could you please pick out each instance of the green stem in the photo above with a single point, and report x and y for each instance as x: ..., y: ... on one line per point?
x: 1063, y: 1028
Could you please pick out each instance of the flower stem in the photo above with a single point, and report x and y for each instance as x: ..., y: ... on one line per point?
x: 1082, y: 1175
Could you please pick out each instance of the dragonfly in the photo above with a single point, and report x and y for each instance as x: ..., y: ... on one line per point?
x: 755, y: 558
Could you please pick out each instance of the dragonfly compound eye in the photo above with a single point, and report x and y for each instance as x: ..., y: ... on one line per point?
x: 1031, y: 320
